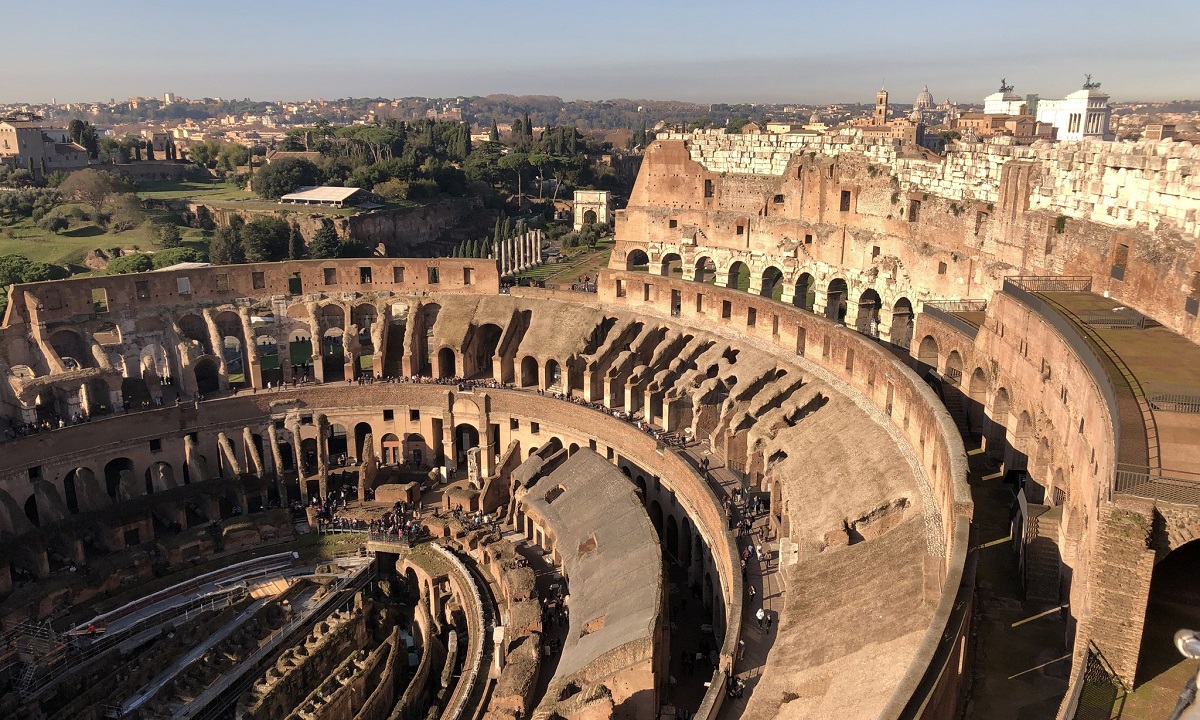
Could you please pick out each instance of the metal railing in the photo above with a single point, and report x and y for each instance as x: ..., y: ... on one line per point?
x: 1051, y: 283
x: 1142, y: 482
x: 957, y: 306
x: 1173, y: 398
x: 946, y: 317
x: 1099, y: 694
x: 1125, y: 319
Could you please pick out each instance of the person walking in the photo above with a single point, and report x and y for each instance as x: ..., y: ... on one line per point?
x: 760, y: 615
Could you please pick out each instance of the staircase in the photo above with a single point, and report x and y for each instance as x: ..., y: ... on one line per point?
x: 1042, y: 558
x: 954, y: 405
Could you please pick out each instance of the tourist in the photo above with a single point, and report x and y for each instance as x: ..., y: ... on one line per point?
x: 760, y: 615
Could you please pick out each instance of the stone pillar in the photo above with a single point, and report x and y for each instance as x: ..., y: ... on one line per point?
x: 451, y: 460
x: 214, y: 337
x: 788, y: 296
x: 498, y: 653
x: 250, y: 352
x: 756, y: 283
x: 323, y: 430
x: 473, y: 469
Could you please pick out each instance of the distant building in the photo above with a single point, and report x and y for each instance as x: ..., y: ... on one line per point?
x: 1159, y: 132
x: 327, y: 196
x: 1084, y: 114
x: 1024, y: 129
x: 29, y: 143
x: 598, y: 201
x: 906, y: 130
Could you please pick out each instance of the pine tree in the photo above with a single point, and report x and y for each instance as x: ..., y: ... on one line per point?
x: 507, y: 231
x: 296, y: 244
x: 454, y: 251
x: 496, y: 237
x: 494, y: 135
x: 528, y: 128
x: 466, y: 139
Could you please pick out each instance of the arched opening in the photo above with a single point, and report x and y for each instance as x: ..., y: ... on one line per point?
x: 685, y: 541
x: 333, y: 355
x: 706, y: 270
x: 574, y: 448
x: 391, y: 450
x: 31, y: 511
x: 300, y: 355
x: 671, y: 536
x: 286, y: 452
x: 1022, y: 442
x: 487, y: 340
x: 553, y: 375
x: 268, y: 360
x: 637, y: 260
x: 446, y: 366
x: 927, y: 354
x: 869, y: 305
x: 72, y: 350
x: 902, y: 323
x: 208, y: 377
x: 836, y: 300
x: 416, y: 451
x: 671, y: 265
x: 806, y: 292
x: 308, y: 456
x: 361, y: 431
x: 233, y: 347
x: 977, y: 399
x: 954, y: 368
x: 738, y: 277
x: 118, y: 476
x: 772, y: 283
x: 466, y: 436
x: 529, y: 372
x: 998, y: 426
x: 708, y: 591
x: 656, y: 517
x: 193, y: 329
x: 159, y: 477
x: 70, y: 492
x: 1174, y: 603
x: 337, y: 445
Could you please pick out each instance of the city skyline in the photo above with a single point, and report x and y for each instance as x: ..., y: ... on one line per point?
x: 688, y: 53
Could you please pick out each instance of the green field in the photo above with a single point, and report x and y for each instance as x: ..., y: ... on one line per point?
x: 70, y: 246
x: 220, y: 194
x: 585, y: 262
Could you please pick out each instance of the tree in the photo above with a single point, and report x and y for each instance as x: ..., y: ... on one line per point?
x: 494, y: 133
x: 127, y: 213
x: 326, y: 243
x: 54, y: 223
x: 283, y: 176
x: 296, y: 249
x: 84, y: 133
x: 135, y: 263
x: 168, y: 235
x: 174, y: 256
x: 225, y: 247
x: 92, y: 187
x: 149, y: 150
x: 266, y: 239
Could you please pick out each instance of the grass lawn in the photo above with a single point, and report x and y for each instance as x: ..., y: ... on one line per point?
x: 70, y: 246
x: 570, y: 270
x: 221, y: 194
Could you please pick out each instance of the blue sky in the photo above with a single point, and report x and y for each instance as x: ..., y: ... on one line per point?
x: 700, y: 50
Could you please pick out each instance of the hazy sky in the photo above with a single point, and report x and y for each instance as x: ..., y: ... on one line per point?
x: 700, y: 50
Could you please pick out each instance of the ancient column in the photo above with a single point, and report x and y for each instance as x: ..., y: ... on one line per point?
x: 218, y: 345
x: 251, y: 360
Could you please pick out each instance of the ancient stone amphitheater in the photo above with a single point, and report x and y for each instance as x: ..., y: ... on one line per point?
x: 389, y: 488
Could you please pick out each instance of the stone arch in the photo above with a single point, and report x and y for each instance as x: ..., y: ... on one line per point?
x: 685, y: 541
x: 1174, y: 594
x: 118, y: 474
x: 1059, y: 492
x: 837, y: 300
x: 160, y: 477
x: 72, y: 350
x: 738, y: 276
x: 486, y: 342
x: 233, y: 347
x: 772, y: 283
x: 574, y: 448
x: 902, y: 323
x: 466, y: 437
x: 671, y: 264
x: 333, y: 354
x: 869, y: 306
x: 208, y: 376
x: 656, y: 517
x: 671, y: 536
x: 107, y: 333
x: 637, y: 260
x: 706, y: 270
x: 193, y: 328
x: 998, y: 427
x: 416, y: 450
x: 446, y: 363
x: 529, y: 371
x: 954, y: 368
x: 977, y: 401
x: 805, y: 292
x: 267, y: 349
x: 338, y: 441
x: 31, y: 510
x: 928, y: 353
x: 362, y: 431
x: 554, y: 375
x: 391, y: 450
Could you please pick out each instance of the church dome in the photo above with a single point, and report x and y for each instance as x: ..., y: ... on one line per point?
x: 924, y: 100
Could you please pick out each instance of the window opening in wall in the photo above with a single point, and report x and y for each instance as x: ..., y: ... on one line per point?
x: 100, y: 300
x: 726, y: 309
x: 534, y: 427
x: 874, y: 251
x: 646, y: 292
x: 778, y: 199
x: 699, y: 303
x: 741, y: 229
x: 676, y: 302
x: 156, y: 445
x: 708, y: 188
x: 514, y: 424
x: 414, y: 415
x: 433, y: 276
x: 258, y: 280
x: 941, y: 268
x: 183, y: 286
x: 801, y: 336
x: 295, y: 284
x: 808, y: 239
x: 751, y: 317
x: 775, y: 325
x: 1120, y: 260
x: 845, y: 202
x: 330, y: 275
x: 850, y: 360
x: 914, y: 210
x: 142, y: 289
x: 825, y: 346
x: 1192, y: 306
x: 468, y: 276
x: 672, y: 223
x: 35, y: 473
x: 306, y: 420
x: 222, y: 282
x: 389, y: 414
x: 397, y: 274
x: 620, y: 288
x: 980, y: 219
x: 278, y: 424
x: 364, y: 275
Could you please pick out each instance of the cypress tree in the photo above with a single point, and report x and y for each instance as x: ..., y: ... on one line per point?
x: 507, y: 232
x: 466, y: 141
x: 494, y: 135
x: 496, y: 237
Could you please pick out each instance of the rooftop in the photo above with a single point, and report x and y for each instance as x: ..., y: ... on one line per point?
x: 321, y: 194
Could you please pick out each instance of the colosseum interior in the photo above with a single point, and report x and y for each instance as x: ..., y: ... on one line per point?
x: 821, y: 380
